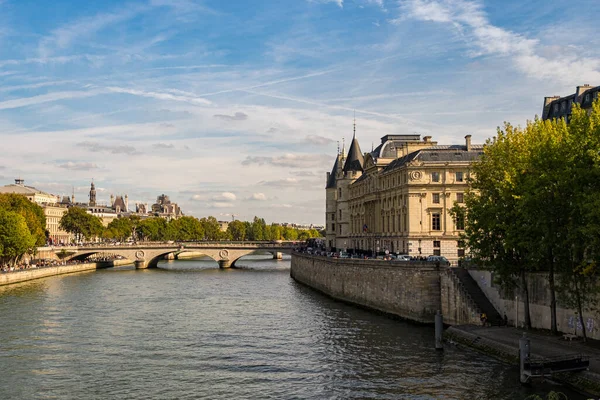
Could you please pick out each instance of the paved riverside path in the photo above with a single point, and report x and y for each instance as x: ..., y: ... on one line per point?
x: 542, y: 344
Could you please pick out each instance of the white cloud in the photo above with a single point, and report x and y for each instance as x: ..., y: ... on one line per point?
x: 472, y: 23
x: 220, y: 204
x: 79, y: 166
x: 238, y: 116
x: 161, y: 96
x: 225, y: 197
x: 340, y: 3
x: 319, y: 140
x: 45, y: 98
x: 290, y: 160
x: 258, y: 197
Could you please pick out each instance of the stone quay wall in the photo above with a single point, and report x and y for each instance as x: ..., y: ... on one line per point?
x: 407, y: 290
x: 508, y: 303
x: 7, y: 278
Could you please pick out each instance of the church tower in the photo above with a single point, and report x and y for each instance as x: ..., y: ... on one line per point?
x: 93, y: 195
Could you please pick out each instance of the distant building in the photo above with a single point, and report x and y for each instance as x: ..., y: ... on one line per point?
x: 165, y: 208
x: 223, y: 225
x: 556, y: 107
x: 33, y: 194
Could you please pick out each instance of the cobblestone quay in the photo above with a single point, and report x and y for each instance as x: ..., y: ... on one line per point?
x: 407, y: 290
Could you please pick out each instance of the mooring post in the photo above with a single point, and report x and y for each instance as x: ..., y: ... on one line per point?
x: 524, y: 353
x: 439, y: 330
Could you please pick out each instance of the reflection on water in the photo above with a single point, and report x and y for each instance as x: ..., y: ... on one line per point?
x: 189, y: 330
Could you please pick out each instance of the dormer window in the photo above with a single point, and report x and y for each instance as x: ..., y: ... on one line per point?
x: 587, y: 97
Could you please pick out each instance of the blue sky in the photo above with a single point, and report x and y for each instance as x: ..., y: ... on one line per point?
x: 235, y: 107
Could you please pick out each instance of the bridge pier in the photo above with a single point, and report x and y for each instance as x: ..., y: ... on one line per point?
x: 278, y: 255
x: 224, y: 264
x: 141, y: 264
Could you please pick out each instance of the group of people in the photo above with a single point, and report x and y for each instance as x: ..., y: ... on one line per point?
x: 33, y: 264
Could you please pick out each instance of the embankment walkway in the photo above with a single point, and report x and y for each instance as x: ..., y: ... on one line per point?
x: 8, y: 278
x: 503, y: 343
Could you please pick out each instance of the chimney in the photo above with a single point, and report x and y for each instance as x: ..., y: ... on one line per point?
x: 426, y: 139
x: 468, y: 142
x: 547, y: 102
x: 328, y: 175
x: 19, y: 182
x: 580, y: 91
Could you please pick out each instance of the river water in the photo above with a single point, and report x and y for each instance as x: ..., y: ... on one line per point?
x: 191, y: 331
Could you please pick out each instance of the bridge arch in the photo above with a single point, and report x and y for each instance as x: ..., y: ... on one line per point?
x: 148, y: 255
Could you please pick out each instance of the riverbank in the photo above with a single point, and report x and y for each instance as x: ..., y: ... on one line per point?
x: 503, y: 343
x: 8, y: 278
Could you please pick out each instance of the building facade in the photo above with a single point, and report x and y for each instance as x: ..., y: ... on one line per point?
x: 556, y: 107
x: 400, y: 198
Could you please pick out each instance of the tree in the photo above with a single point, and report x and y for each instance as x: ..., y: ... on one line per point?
x: 495, y: 217
x: 185, y: 229
x: 257, y: 231
x: 533, y: 206
x: 120, y: 229
x: 154, y: 228
x: 15, y: 237
x: 81, y: 224
x: 237, y: 230
x: 212, y: 229
x: 33, y: 214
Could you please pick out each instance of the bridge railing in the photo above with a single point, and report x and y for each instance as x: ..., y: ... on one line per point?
x: 188, y: 245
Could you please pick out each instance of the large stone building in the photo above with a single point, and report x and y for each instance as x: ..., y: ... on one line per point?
x: 398, y: 197
x: 560, y: 107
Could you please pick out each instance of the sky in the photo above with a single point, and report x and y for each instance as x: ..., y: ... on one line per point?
x: 236, y: 107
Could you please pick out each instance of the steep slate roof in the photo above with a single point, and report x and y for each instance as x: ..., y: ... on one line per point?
x: 332, y: 179
x: 355, y: 159
x: 438, y: 154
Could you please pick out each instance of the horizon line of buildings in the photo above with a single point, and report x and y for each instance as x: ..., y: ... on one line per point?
x: 55, y: 207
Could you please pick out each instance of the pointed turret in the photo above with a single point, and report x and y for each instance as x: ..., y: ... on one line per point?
x: 355, y: 160
x: 332, y: 177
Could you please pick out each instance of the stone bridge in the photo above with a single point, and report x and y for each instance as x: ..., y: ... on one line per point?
x: 147, y: 255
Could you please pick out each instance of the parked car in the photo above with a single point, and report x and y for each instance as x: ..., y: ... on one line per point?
x: 441, y: 259
x: 403, y: 257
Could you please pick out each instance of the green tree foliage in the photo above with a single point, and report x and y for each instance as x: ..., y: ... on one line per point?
x: 15, y: 237
x: 237, y: 230
x: 119, y: 228
x: 33, y: 214
x: 152, y: 229
x: 257, y: 231
x: 212, y: 230
x: 533, y: 206
x: 81, y: 224
x: 185, y: 229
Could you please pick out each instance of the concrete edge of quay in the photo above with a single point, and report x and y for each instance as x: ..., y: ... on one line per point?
x: 9, y: 278
x: 586, y: 381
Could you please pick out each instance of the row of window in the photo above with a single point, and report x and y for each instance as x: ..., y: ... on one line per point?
x: 460, y: 198
x: 393, y: 181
